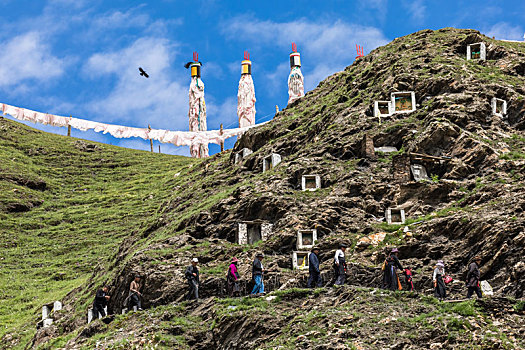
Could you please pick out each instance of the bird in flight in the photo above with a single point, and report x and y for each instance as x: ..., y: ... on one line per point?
x: 143, y: 73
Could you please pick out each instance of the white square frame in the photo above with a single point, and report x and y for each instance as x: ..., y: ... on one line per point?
x: 239, y: 156
x: 377, y: 112
x: 388, y: 216
x: 393, y: 101
x: 317, y: 182
x: 482, y: 52
x: 494, y: 103
x: 271, y: 161
x: 295, y: 263
x: 300, y: 245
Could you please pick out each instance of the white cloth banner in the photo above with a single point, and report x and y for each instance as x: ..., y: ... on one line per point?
x: 177, y: 138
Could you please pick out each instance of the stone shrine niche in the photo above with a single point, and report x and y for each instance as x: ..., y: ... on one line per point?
x: 419, y: 172
x: 499, y: 107
x: 367, y: 147
x: 271, y: 161
x: 401, y: 168
x: 300, y: 260
x: 403, y: 102
x: 239, y: 156
x: 476, y: 51
x: 310, y: 182
x: 306, y: 239
x: 382, y: 108
x: 395, y: 216
x: 250, y: 232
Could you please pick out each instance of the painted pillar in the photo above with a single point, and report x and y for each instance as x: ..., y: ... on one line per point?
x: 197, y: 111
x: 246, y: 94
x: 295, y: 79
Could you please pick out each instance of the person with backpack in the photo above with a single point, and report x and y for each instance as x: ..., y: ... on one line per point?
x: 390, y: 266
x: 233, y: 279
x: 314, y: 280
x: 192, y: 276
x: 340, y: 265
x: 440, y: 291
x: 473, y: 276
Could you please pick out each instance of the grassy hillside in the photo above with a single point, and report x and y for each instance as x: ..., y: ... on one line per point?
x: 65, y: 207
x: 472, y: 204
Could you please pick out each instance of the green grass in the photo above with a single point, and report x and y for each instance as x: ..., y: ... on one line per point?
x: 91, y: 202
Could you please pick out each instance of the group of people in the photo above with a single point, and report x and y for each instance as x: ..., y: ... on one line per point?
x: 390, y: 268
x: 439, y: 278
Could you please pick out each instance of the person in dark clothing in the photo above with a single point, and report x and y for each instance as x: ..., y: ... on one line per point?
x: 340, y: 265
x: 473, y: 276
x: 192, y: 275
x: 233, y: 279
x: 390, y: 266
x: 257, y: 274
x: 440, y: 290
x: 314, y: 280
x: 101, y: 300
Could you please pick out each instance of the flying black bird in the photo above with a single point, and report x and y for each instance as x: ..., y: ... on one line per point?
x: 143, y: 73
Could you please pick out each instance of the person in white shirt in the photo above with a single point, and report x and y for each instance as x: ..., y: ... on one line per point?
x: 340, y: 265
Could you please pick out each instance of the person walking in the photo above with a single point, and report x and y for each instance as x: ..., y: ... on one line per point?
x: 440, y: 290
x: 473, y: 276
x: 257, y: 274
x: 100, y: 302
x: 314, y: 279
x: 390, y: 266
x: 233, y: 279
x: 134, y: 293
x: 192, y: 275
x: 340, y: 265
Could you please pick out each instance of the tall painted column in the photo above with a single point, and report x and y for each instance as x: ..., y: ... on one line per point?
x: 295, y: 79
x: 197, y: 112
x: 246, y: 94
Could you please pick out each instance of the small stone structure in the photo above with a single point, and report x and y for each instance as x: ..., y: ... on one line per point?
x: 382, y: 109
x: 47, y: 319
x: 249, y: 232
x: 300, y: 260
x: 476, y: 51
x: 310, y: 182
x: 499, y: 107
x: 403, y: 102
x: 271, y: 161
x: 419, y: 172
x: 90, y: 315
x: 385, y: 149
x: 306, y: 239
x: 367, y: 147
x: 395, y: 216
x: 239, y: 156
x: 401, y: 168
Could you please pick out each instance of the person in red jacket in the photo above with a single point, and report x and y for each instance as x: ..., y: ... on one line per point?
x: 233, y: 279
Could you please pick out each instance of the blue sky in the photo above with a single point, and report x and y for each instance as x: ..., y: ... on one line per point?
x: 80, y: 58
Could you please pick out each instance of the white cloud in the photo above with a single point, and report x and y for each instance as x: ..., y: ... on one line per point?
x: 416, y: 9
x: 161, y: 100
x: 225, y: 113
x: 506, y: 31
x: 326, y: 47
x: 27, y: 57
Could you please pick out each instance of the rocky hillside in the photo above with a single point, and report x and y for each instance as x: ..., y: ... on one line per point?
x: 471, y: 204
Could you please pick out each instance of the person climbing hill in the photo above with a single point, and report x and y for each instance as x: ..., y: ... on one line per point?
x: 440, y: 291
x: 314, y: 280
x: 100, y: 302
x: 192, y: 276
x: 340, y: 265
x: 390, y: 266
x: 232, y: 279
x: 257, y: 274
x: 473, y: 276
x: 134, y: 293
